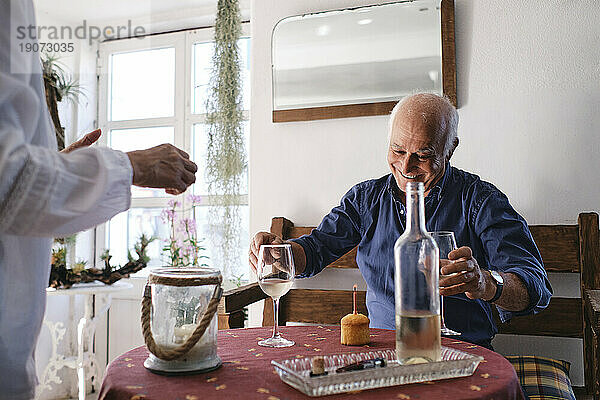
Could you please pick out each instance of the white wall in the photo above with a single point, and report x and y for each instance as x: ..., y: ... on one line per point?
x: 528, y: 96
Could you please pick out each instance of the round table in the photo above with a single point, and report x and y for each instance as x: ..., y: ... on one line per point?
x: 247, y: 372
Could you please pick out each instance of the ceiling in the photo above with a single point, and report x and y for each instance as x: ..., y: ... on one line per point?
x: 75, y: 11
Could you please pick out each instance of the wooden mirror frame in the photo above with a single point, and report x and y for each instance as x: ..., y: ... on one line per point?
x: 385, y: 107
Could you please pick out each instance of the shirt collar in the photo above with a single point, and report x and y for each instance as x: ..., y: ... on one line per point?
x: 439, y: 187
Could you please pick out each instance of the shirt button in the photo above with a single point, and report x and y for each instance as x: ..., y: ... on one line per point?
x: 402, y: 212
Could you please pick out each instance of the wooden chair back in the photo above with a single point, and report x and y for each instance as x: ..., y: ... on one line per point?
x: 311, y: 305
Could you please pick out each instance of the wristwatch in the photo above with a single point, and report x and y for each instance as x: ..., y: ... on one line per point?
x: 499, y: 285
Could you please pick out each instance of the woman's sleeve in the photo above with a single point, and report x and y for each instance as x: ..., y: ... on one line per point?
x: 44, y: 192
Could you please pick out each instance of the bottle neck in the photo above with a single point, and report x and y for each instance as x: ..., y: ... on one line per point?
x: 415, y: 208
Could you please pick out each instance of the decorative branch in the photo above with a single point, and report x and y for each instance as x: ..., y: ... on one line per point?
x: 61, y: 276
x: 59, y: 86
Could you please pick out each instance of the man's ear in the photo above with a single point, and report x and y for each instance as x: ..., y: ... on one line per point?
x: 454, y: 146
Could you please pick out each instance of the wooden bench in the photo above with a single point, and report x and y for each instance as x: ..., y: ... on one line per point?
x: 564, y: 249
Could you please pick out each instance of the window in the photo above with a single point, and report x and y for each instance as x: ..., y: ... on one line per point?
x: 152, y: 91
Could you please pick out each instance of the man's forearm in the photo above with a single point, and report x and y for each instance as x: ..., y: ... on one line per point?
x: 515, y: 296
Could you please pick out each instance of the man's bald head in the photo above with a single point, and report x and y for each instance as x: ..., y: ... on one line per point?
x: 436, y: 112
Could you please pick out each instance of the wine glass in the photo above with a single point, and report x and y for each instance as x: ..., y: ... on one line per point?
x: 275, y: 270
x: 446, y: 243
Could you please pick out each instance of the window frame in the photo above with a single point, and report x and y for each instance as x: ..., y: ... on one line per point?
x: 183, y: 119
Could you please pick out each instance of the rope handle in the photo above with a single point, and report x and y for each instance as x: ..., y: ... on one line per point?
x: 172, y: 354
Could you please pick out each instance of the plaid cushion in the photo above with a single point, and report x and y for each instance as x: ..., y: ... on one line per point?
x: 543, y: 378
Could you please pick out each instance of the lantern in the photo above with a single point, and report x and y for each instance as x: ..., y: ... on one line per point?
x: 179, y: 320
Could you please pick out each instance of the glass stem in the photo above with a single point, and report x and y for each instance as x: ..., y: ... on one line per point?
x: 276, y: 317
x: 442, y: 310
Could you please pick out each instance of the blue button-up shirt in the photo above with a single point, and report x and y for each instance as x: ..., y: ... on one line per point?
x: 371, y: 216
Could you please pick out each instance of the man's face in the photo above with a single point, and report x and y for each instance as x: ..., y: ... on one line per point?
x: 416, y: 151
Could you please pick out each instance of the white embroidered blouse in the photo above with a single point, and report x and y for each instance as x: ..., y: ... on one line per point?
x: 43, y: 194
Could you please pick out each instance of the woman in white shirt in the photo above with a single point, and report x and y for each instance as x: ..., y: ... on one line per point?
x: 44, y: 194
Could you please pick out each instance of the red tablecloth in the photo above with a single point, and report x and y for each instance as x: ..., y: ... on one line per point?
x: 247, y: 372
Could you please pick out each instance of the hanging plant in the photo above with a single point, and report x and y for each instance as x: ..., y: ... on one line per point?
x: 59, y: 86
x: 226, y: 157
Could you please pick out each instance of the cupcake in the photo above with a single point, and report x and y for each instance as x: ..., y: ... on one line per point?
x: 355, y: 330
x: 355, y: 327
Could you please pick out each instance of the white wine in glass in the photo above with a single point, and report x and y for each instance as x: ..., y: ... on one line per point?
x: 446, y: 243
x: 275, y: 270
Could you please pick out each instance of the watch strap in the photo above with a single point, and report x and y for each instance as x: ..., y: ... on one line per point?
x: 499, y: 287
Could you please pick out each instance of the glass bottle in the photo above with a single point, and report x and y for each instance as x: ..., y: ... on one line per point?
x: 416, y: 279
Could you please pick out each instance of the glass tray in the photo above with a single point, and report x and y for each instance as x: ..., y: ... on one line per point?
x: 295, y: 371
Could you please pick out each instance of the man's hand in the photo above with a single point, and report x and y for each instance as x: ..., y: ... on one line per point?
x: 86, y: 141
x: 259, y: 239
x: 465, y: 276
x: 163, y: 166
x: 476, y: 283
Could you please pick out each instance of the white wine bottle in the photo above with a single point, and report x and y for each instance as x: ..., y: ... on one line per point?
x: 418, y: 337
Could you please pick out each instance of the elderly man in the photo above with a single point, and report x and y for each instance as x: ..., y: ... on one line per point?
x: 498, y: 262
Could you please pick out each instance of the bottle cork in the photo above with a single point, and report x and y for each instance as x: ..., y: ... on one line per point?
x: 317, y: 366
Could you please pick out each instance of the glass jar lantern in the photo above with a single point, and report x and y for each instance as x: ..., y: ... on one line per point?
x: 179, y: 320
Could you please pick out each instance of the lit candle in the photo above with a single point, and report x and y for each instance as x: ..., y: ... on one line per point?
x: 354, y: 297
x: 183, y: 332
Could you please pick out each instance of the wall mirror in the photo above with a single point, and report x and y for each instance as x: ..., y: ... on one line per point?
x: 361, y: 61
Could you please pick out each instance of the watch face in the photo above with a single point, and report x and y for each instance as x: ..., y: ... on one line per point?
x: 497, y: 277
